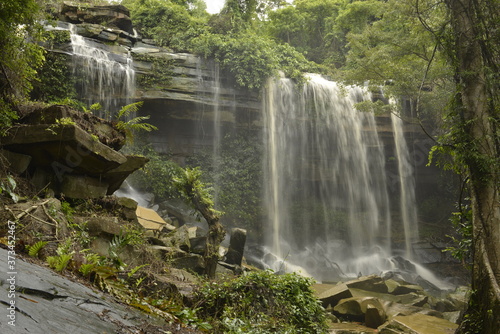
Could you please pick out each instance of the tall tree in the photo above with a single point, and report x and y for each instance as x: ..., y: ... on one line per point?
x: 19, y: 53
x: 475, y: 55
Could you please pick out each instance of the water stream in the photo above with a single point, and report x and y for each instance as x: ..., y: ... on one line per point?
x: 104, y: 77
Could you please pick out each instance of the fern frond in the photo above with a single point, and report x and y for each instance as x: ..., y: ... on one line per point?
x: 129, y: 109
x: 87, y: 268
x: 33, y: 250
x: 63, y: 262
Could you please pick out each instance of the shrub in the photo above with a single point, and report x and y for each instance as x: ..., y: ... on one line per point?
x: 262, y: 302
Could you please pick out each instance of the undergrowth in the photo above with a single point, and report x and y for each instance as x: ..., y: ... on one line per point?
x: 262, y: 302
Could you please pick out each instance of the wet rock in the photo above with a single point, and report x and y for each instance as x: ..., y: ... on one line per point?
x: 350, y: 328
x: 180, y: 237
x: 374, y: 316
x: 179, y: 209
x: 236, y: 249
x: 49, y: 303
x: 367, y: 309
x: 330, y: 295
x: 128, y: 207
x: 418, y: 324
x: 404, y: 289
x: 369, y: 283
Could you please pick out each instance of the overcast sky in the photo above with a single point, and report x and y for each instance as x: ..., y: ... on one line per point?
x: 214, y: 6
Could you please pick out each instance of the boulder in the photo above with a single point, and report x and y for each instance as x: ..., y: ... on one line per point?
x: 418, y: 324
x: 367, y: 309
x: 102, y: 129
x: 181, y: 237
x: 330, y: 295
x: 369, y: 283
x: 81, y: 186
x: 17, y: 163
x: 150, y: 220
x: 128, y: 207
x: 107, y: 225
x: 116, y: 176
x: 179, y: 209
x: 190, y: 262
x: 63, y: 148
x: 350, y: 328
x: 236, y: 249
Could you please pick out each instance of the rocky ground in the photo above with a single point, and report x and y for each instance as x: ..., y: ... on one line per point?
x: 46, y: 302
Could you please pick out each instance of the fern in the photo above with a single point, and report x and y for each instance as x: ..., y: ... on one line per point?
x: 60, y: 262
x: 87, y: 268
x: 33, y: 250
x: 136, y: 269
x: 135, y: 124
x: 129, y: 109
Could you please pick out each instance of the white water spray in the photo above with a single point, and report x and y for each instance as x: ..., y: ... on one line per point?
x: 407, y: 186
x: 106, y: 78
x: 326, y: 183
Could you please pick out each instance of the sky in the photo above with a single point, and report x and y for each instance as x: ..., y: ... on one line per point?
x: 214, y: 6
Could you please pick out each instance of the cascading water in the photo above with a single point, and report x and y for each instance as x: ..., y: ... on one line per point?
x: 407, y: 186
x: 107, y: 78
x: 326, y: 183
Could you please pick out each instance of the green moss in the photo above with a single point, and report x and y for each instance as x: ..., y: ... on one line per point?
x: 160, y: 75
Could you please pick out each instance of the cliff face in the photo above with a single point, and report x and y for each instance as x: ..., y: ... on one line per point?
x: 182, y: 93
x: 191, y: 102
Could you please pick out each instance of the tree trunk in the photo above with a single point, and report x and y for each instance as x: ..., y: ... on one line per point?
x: 476, y: 103
x: 191, y: 186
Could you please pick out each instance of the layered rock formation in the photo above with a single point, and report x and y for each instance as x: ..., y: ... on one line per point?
x: 71, y: 153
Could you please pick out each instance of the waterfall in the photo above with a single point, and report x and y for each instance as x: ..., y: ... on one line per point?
x: 326, y: 190
x: 217, y: 127
x: 407, y: 186
x: 104, y: 77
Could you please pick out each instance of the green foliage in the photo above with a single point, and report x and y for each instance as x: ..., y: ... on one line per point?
x: 55, y: 80
x: 168, y: 23
x: 7, y: 117
x: 308, y: 27
x: 262, y: 302
x: 157, y: 175
x: 251, y: 57
x: 131, y: 126
x: 378, y: 107
x: 34, y: 249
x: 92, y: 260
x: 8, y: 185
x: 236, y: 175
x: 160, y: 74
x: 462, y: 222
x: 20, y: 55
x: 63, y: 258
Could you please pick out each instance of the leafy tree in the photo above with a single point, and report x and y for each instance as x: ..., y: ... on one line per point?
x: 195, y: 191
x: 19, y: 54
x: 168, y: 22
x: 307, y: 26
x: 472, y: 47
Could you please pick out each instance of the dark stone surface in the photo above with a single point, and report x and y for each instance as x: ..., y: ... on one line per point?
x: 50, y: 303
x: 236, y: 246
